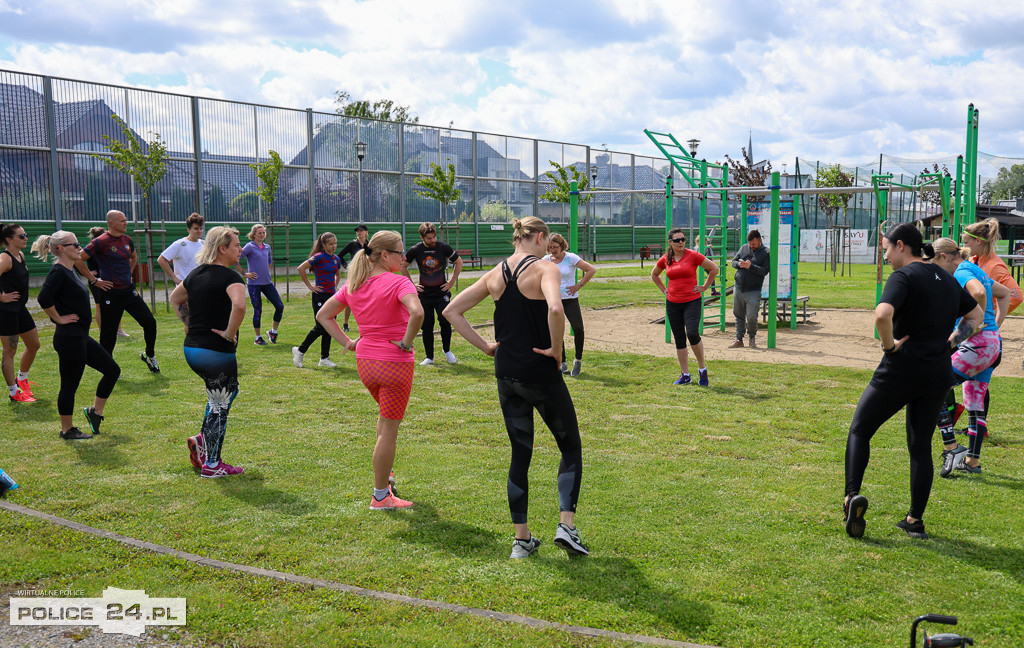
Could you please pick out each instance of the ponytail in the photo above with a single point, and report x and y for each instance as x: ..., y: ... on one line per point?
x: 318, y: 245
x: 983, y: 235
x: 47, y: 244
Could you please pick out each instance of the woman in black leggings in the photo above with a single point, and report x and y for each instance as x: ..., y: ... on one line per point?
x: 211, y: 303
x: 66, y: 301
x: 567, y: 264
x: 528, y: 327
x: 919, y: 307
x: 683, y: 300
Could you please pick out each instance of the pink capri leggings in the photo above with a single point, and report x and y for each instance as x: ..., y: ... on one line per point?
x: 390, y: 384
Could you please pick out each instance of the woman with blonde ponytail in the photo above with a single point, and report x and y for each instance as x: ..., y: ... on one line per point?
x: 974, y: 359
x: 980, y: 239
x: 389, y: 313
x: 65, y: 300
x: 529, y: 321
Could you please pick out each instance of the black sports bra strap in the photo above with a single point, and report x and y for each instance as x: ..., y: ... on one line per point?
x: 523, y: 265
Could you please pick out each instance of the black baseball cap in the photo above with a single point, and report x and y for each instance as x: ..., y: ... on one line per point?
x: 362, y: 228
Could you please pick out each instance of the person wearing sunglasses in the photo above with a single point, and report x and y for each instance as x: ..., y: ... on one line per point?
x: 388, y: 310
x: 15, y: 320
x: 66, y: 301
x: 683, y: 300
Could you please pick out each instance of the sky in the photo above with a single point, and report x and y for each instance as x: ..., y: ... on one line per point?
x: 835, y: 82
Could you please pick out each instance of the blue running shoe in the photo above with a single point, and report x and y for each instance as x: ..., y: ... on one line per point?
x: 684, y: 379
x: 702, y: 378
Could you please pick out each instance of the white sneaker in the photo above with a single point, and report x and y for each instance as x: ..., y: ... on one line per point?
x: 577, y: 367
x: 427, y: 362
x: 450, y: 357
x: 326, y: 362
x: 297, y: 357
x: 525, y: 548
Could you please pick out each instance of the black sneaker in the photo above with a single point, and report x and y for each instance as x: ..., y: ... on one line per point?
x: 344, y: 327
x: 913, y: 529
x: 273, y: 336
x: 853, y: 515
x: 74, y: 434
x: 153, y: 365
x: 93, y: 418
x: 568, y: 538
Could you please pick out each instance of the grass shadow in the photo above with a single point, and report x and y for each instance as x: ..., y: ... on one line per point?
x: 620, y: 582
x: 100, y: 451
x: 743, y: 392
x: 1003, y: 560
x: 249, y: 489
x: 460, y: 539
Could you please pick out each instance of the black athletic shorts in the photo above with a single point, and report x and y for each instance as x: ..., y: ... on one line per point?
x: 16, y: 323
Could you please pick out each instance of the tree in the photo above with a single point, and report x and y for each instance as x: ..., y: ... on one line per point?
x: 269, y: 173
x: 216, y: 206
x: 146, y: 163
x: 830, y: 203
x: 245, y: 206
x: 384, y: 109
x: 96, y: 203
x: 746, y: 174
x: 1009, y: 184
x: 440, y: 186
x: 935, y: 197
x: 560, y: 176
x: 495, y: 212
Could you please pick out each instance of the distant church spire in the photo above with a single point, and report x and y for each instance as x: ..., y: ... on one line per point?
x: 750, y: 148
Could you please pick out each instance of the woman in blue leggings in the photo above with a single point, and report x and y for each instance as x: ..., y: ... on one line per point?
x: 259, y: 259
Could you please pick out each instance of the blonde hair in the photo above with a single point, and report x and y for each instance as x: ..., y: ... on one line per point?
x: 215, y: 239
x: 47, y: 244
x: 252, y: 231
x: 983, y: 234
x: 949, y: 247
x: 528, y: 226
x: 361, y: 264
x: 560, y: 240
x: 96, y: 231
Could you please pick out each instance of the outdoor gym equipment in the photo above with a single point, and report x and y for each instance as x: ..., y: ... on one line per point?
x: 944, y: 640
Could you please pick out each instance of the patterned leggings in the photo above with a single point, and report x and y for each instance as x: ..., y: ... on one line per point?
x: 390, y: 384
x: 973, y: 363
x: 219, y: 371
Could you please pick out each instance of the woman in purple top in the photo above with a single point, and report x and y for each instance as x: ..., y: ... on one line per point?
x: 326, y: 266
x: 258, y: 260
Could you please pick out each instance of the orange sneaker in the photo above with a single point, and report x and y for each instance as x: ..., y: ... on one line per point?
x: 26, y: 386
x: 22, y: 397
x: 389, y: 503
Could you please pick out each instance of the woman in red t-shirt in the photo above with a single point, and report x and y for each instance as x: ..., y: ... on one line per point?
x: 684, y: 304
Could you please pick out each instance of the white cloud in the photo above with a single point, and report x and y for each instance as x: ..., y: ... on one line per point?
x: 836, y: 83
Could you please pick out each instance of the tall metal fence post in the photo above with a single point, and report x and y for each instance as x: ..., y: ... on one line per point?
x: 311, y: 190
x: 197, y: 143
x: 51, y: 143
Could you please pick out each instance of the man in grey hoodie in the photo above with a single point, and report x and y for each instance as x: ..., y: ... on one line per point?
x: 752, y: 266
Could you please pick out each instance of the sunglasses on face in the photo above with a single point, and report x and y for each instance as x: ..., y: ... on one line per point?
x: 77, y: 246
x: 678, y: 240
x: 23, y: 236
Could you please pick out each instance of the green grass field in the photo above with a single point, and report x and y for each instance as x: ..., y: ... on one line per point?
x: 713, y: 515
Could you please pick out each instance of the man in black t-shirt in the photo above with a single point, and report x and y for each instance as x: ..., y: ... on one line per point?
x: 434, y: 287
x: 361, y: 242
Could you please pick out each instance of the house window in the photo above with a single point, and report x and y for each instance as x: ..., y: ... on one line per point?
x: 87, y: 162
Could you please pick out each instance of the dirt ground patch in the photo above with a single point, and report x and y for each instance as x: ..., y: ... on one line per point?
x: 831, y: 337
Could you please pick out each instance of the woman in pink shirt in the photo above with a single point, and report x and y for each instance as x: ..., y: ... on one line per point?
x: 389, y: 314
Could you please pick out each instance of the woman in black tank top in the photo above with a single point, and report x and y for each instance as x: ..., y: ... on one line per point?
x: 15, y: 320
x: 528, y: 327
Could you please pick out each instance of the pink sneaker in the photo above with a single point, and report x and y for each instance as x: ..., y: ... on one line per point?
x: 197, y: 450
x: 222, y: 470
x: 25, y: 386
x: 21, y: 397
x: 390, y: 502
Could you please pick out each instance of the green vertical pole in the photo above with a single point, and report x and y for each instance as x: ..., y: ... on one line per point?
x: 668, y: 226
x: 701, y: 235
x: 958, y: 199
x: 743, y: 219
x: 794, y: 258
x: 974, y: 171
x: 773, y: 284
x: 969, y: 167
x: 574, y: 214
x: 944, y: 184
x: 725, y: 240
x: 881, y: 197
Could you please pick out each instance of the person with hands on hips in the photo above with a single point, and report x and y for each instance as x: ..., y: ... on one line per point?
x: 434, y: 288
x: 211, y: 304
x: 259, y: 259
x: 684, y: 302
x: 15, y: 320
x: 568, y: 263
x: 529, y: 322
x: 389, y: 313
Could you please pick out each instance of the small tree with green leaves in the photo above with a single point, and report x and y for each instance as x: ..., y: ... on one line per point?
x: 441, y: 186
x: 834, y: 176
x: 269, y: 173
x: 562, y: 176
x: 146, y: 163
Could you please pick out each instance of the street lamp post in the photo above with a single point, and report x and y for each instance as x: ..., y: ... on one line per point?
x: 693, y: 143
x: 360, y: 153
x: 593, y: 204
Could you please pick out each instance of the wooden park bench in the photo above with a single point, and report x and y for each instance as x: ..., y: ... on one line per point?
x: 470, y: 259
x: 650, y: 252
x: 784, y: 306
